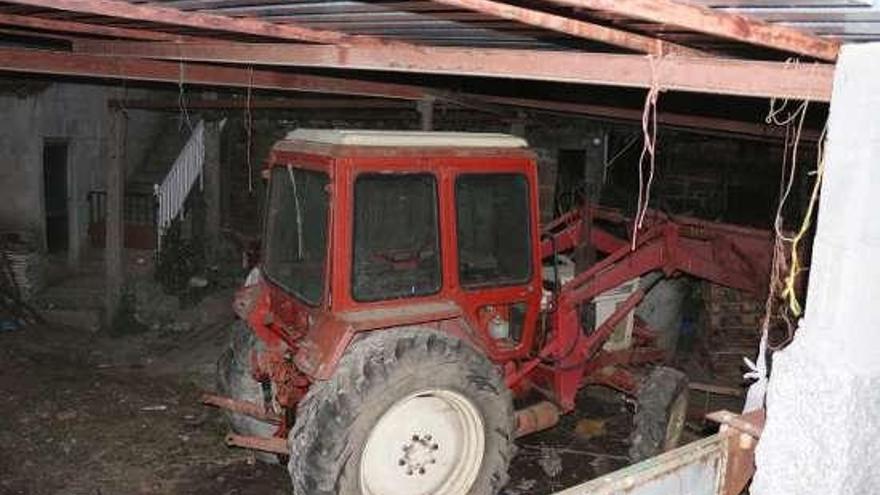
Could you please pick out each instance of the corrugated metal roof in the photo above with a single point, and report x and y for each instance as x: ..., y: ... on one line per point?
x: 852, y: 20
x: 433, y: 23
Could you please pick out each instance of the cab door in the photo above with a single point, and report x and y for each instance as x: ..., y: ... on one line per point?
x: 497, y: 274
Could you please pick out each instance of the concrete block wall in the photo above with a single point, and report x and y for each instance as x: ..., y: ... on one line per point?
x: 714, y: 178
x: 77, y: 114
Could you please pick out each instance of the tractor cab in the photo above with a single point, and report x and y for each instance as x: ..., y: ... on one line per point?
x: 374, y: 229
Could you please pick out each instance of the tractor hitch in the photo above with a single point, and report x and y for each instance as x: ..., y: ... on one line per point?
x: 274, y: 445
x: 255, y: 411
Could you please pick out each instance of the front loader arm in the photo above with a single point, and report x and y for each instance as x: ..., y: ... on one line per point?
x: 732, y: 256
x: 728, y: 255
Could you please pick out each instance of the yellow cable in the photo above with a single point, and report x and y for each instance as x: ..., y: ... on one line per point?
x: 789, y: 292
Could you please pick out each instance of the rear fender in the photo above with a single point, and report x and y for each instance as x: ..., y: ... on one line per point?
x: 325, y: 344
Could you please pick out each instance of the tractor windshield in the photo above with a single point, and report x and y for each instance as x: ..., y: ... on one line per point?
x: 296, y: 231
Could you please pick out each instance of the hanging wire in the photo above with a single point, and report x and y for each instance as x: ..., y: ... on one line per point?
x: 609, y: 163
x: 779, y: 105
x: 649, y: 148
x: 299, y: 219
x: 248, y: 126
x: 789, y: 293
x: 782, y: 276
x: 181, y: 97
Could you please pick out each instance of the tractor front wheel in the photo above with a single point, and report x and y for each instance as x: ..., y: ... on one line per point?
x: 408, y: 412
x: 235, y: 380
x: 661, y: 410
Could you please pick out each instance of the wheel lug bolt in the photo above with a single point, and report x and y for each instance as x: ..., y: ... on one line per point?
x: 421, y: 470
x: 415, y: 438
x: 435, y: 447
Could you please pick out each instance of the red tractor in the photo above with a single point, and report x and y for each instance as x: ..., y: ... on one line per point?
x: 402, y: 302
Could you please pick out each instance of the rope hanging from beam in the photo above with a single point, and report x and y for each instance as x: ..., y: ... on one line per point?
x: 649, y: 150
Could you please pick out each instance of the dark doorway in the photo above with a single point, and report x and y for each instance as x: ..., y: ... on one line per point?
x: 570, y: 179
x: 55, y: 195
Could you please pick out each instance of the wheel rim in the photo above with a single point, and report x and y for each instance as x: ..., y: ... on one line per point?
x: 675, y: 425
x: 429, y: 443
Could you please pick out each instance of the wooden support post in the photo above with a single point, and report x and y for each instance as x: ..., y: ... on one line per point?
x: 426, y: 111
x: 211, y: 171
x: 518, y: 125
x: 594, y: 169
x: 114, y: 247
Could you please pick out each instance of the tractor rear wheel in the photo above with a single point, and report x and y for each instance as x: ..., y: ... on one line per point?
x: 408, y: 411
x: 234, y: 379
x: 661, y: 411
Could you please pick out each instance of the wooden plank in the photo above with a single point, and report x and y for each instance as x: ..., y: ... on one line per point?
x: 708, y: 21
x: 701, y: 75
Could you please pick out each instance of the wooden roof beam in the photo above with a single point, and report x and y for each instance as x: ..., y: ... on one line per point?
x: 135, y: 69
x: 573, y: 27
x: 119, y: 68
x: 726, y: 25
x: 691, y: 123
x: 701, y: 75
x: 213, y: 22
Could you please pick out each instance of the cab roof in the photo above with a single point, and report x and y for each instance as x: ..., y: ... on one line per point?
x: 403, y: 139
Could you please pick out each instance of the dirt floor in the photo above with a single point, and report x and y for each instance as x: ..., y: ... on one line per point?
x: 101, y: 415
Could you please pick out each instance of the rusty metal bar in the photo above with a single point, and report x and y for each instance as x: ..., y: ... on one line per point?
x: 213, y: 22
x: 274, y: 445
x: 581, y: 29
x: 705, y: 20
x: 242, y: 407
x: 126, y: 68
x: 702, y: 75
x: 751, y: 423
x: 258, y: 104
x: 57, y: 25
x: 715, y: 389
x: 697, y: 123
x: 537, y: 417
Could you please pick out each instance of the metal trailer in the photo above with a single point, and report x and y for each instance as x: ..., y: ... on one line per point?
x: 721, y: 464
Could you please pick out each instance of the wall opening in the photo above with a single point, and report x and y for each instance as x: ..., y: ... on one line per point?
x: 55, y: 193
x: 570, y: 178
